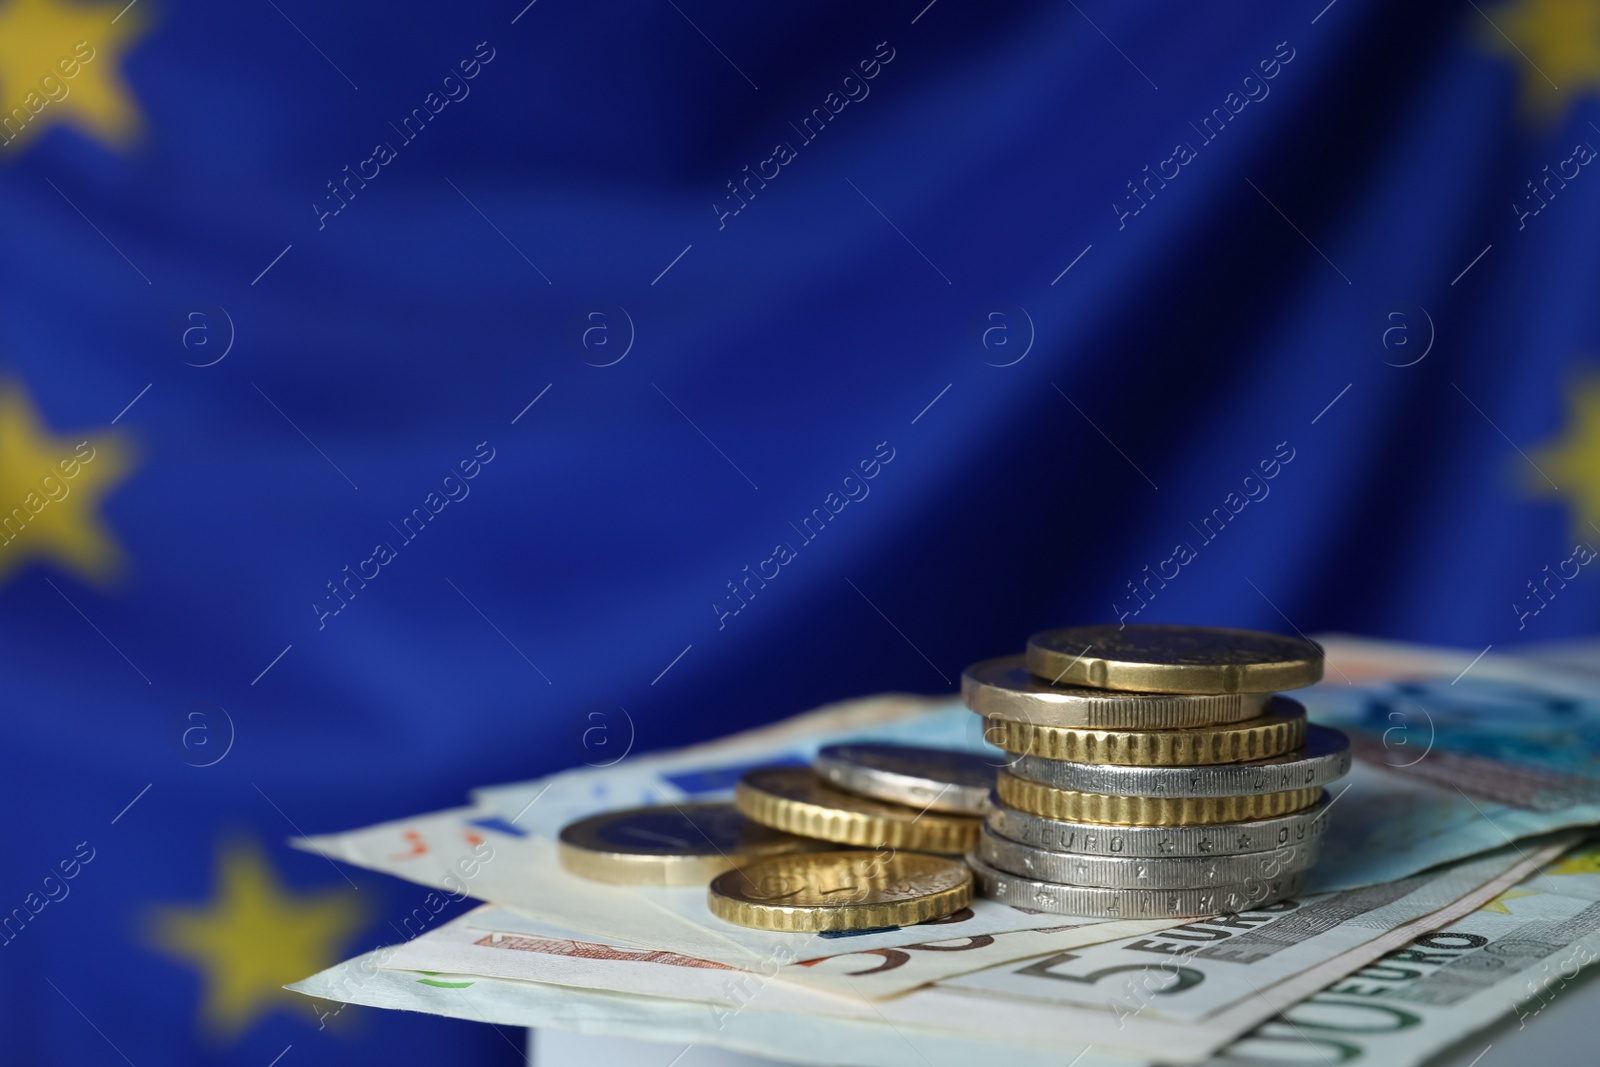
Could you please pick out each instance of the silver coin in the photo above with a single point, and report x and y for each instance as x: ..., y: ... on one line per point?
x: 929, y: 778
x: 1325, y: 758
x: 1193, y: 872
x: 1006, y: 689
x: 1036, y: 894
x: 1101, y: 839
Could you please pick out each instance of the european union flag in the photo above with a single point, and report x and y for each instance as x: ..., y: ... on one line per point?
x: 402, y: 398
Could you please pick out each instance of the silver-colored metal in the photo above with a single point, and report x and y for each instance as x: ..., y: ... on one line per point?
x: 1191, y: 872
x: 1149, y: 842
x: 1325, y: 758
x: 1040, y: 895
x: 934, y: 779
x: 1005, y: 689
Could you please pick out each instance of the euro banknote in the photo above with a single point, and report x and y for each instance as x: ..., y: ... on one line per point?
x: 675, y: 1023
x: 1514, y: 956
x: 872, y: 973
x: 1239, y: 997
x: 1218, y: 967
x: 472, y: 852
x: 960, y: 1009
x: 1450, y: 765
x: 507, y: 855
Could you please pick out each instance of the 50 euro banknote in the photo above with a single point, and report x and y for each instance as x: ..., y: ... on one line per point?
x: 1510, y: 959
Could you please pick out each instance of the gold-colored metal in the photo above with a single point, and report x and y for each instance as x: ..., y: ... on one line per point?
x: 821, y: 891
x: 671, y: 845
x: 1071, y: 806
x: 1281, y: 730
x: 795, y: 800
x: 1006, y: 689
x: 1174, y: 659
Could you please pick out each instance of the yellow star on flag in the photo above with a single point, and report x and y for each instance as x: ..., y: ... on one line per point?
x: 61, y: 62
x: 1571, y: 465
x: 1498, y: 904
x: 1556, y: 46
x: 253, y: 936
x: 50, y: 490
x: 1585, y: 862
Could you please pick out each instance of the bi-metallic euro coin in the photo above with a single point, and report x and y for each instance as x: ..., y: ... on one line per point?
x: 1174, y: 659
x: 1325, y: 758
x: 931, y: 779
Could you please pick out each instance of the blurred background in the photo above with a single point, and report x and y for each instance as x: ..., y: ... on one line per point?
x: 402, y: 398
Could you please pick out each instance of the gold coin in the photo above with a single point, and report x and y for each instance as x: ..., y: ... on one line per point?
x: 1071, y: 806
x: 1174, y: 659
x: 675, y: 844
x: 1005, y: 688
x: 1281, y: 730
x: 795, y: 800
x: 820, y: 891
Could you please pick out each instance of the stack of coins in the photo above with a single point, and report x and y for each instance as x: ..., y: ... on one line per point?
x: 902, y: 802
x: 874, y: 796
x: 772, y: 857
x: 762, y: 877
x: 1151, y: 772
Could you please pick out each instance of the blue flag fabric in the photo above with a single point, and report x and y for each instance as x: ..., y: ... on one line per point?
x: 398, y: 400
